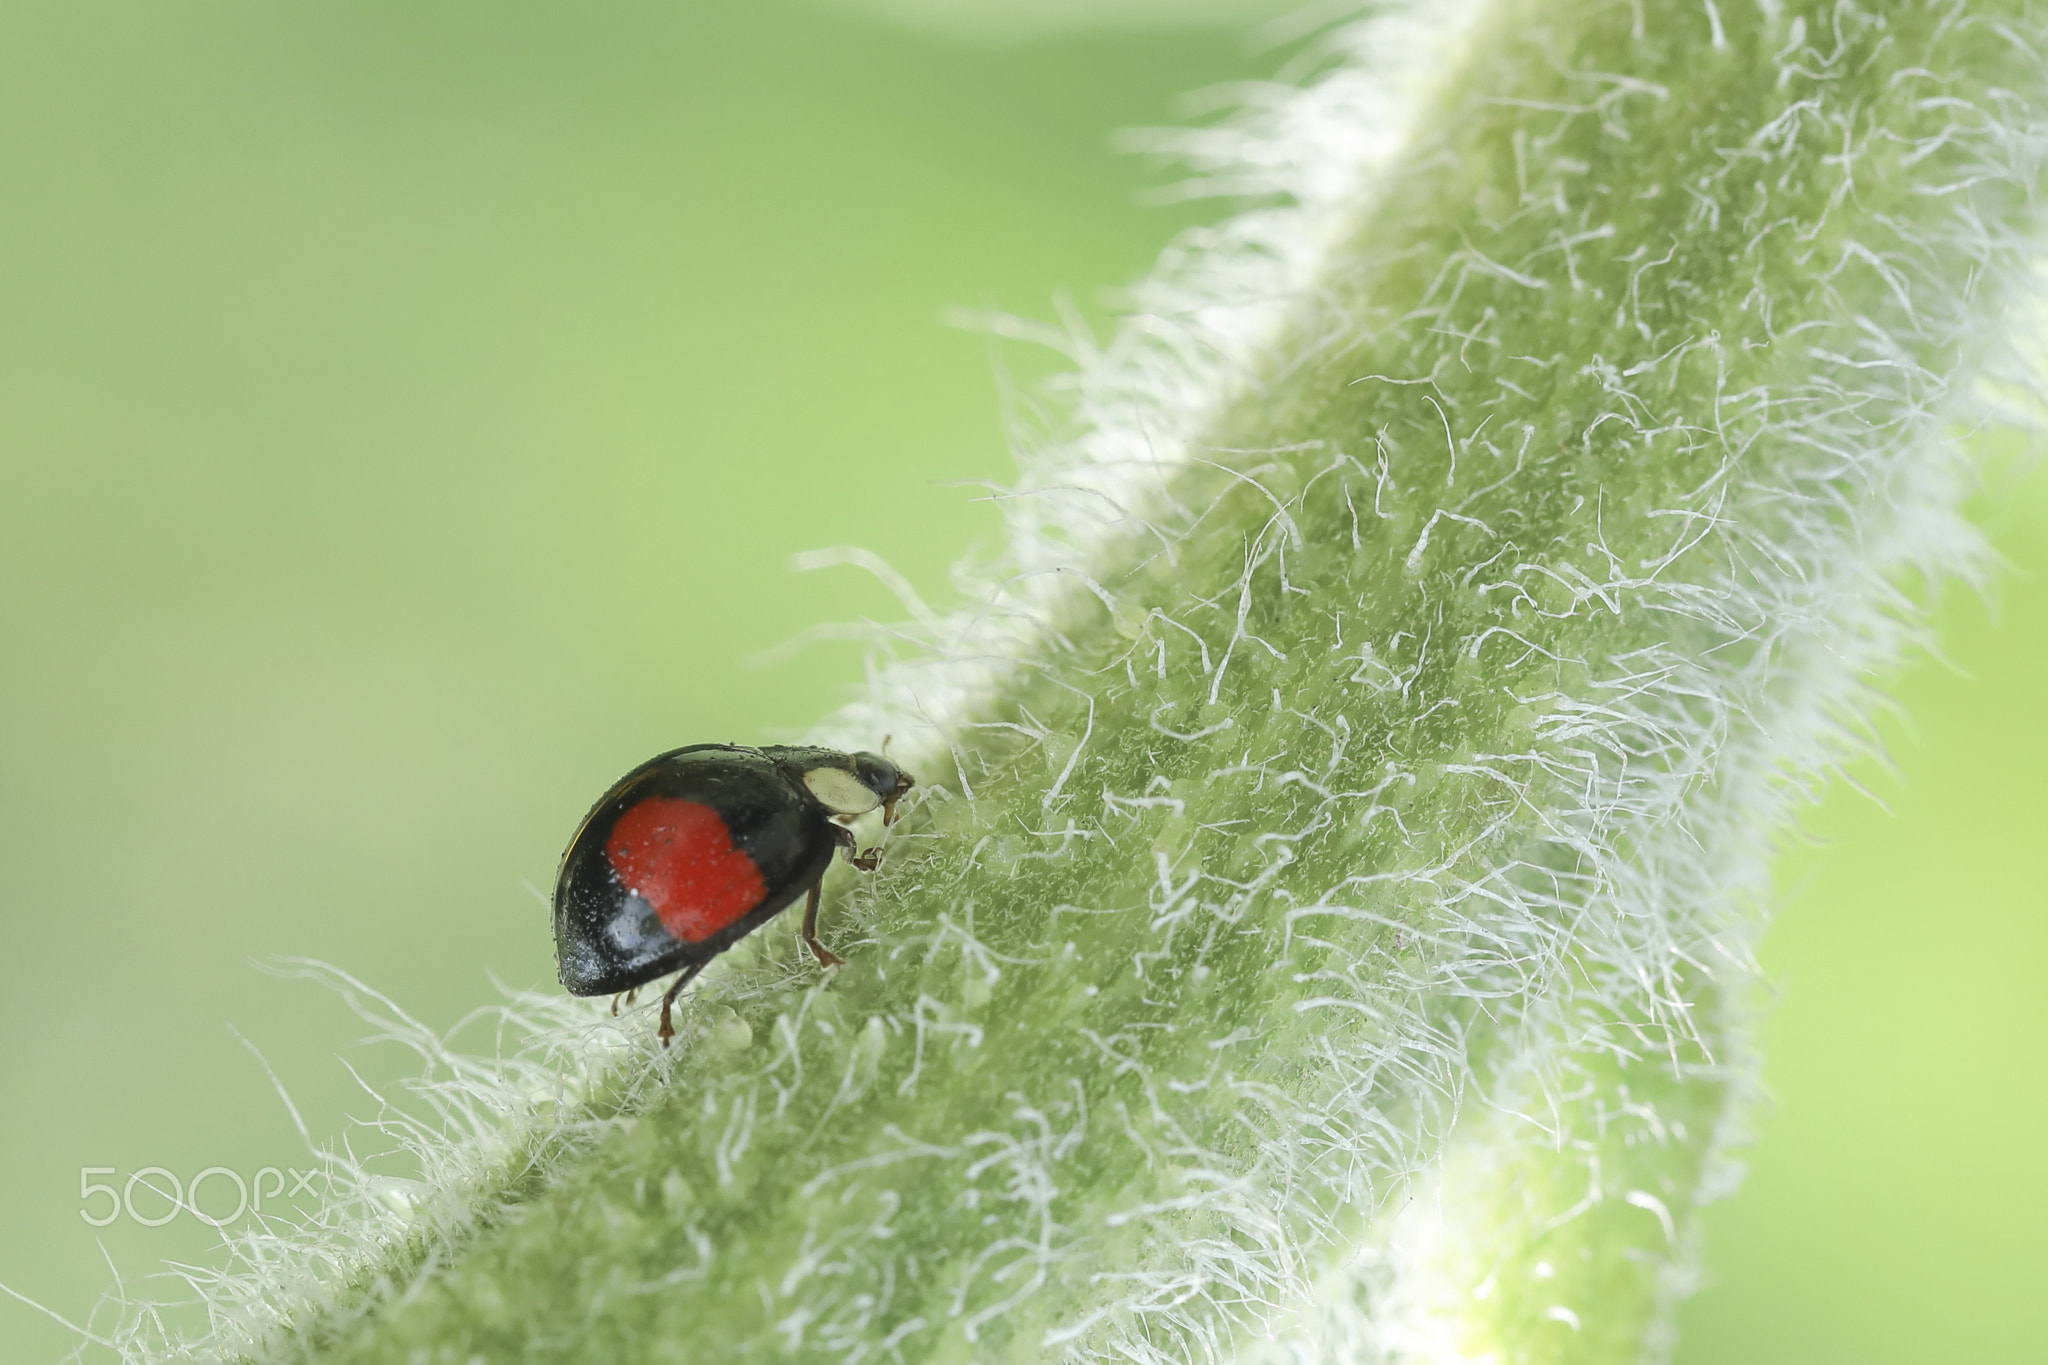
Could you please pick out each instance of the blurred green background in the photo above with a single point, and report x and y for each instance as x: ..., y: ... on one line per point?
x: 407, y: 417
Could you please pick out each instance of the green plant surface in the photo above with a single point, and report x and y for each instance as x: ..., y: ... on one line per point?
x: 1325, y: 924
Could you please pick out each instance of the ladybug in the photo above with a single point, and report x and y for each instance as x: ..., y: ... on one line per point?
x: 695, y: 849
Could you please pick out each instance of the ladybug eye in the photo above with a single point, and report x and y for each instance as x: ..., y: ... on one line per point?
x: 880, y: 776
x: 840, y: 792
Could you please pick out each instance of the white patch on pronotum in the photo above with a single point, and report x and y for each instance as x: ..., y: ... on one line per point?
x: 840, y: 792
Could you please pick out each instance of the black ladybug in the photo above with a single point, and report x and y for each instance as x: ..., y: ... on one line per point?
x: 693, y: 850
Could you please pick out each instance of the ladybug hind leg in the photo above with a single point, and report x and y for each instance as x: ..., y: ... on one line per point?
x: 668, y: 1029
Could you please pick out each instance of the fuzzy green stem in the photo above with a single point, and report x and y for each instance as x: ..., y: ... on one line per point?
x: 1331, y: 929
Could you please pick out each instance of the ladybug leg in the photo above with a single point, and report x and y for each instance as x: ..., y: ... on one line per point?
x: 826, y: 957
x: 850, y: 846
x: 626, y: 996
x: 668, y: 1029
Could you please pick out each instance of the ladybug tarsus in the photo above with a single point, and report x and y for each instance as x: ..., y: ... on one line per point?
x: 695, y: 849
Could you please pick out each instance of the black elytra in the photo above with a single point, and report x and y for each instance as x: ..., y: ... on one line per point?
x: 695, y: 849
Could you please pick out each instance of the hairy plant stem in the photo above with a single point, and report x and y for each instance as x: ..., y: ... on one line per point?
x: 1324, y: 932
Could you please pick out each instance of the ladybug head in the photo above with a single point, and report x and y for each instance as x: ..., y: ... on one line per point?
x: 887, y: 781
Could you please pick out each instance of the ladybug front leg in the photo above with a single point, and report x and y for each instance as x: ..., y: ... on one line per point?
x: 826, y: 957
x: 850, y: 846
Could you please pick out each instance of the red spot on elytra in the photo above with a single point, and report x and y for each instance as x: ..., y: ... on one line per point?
x: 678, y: 856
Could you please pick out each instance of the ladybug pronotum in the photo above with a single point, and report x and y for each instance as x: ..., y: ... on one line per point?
x: 692, y: 851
